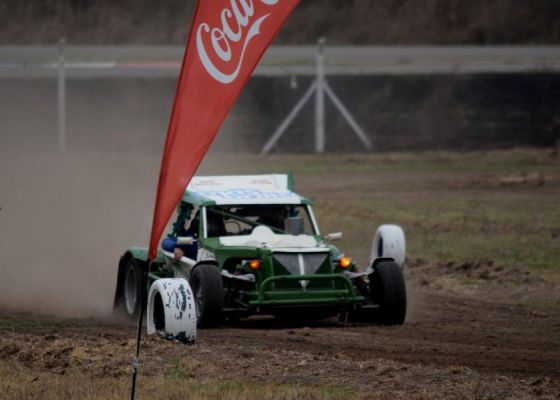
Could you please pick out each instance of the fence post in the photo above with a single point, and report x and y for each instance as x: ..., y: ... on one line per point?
x: 321, y: 88
x: 320, y: 98
x: 61, y: 98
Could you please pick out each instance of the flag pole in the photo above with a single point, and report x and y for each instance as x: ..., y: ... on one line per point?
x: 136, y: 362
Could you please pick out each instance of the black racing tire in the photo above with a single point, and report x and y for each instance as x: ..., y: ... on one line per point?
x: 207, y: 286
x: 131, y: 290
x: 388, y: 291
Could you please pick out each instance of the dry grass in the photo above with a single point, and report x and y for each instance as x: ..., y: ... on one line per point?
x: 387, y: 380
x: 18, y: 383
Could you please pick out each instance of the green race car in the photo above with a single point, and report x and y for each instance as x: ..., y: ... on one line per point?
x: 248, y: 245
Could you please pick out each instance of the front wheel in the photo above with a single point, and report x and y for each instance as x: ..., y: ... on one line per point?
x: 388, y: 292
x: 207, y: 286
x: 389, y: 242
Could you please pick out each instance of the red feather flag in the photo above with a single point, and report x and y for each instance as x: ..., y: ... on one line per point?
x: 227, y: 40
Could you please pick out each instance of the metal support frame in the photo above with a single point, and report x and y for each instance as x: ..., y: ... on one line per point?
x: 347, y: 116
x: 320, y: 86
x: 61, y: 98
x: 288, y: 120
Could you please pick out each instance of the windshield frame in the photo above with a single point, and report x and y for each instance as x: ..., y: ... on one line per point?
x: 305, y: 207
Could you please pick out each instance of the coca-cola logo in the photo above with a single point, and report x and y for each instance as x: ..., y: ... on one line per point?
x: 215, y: 44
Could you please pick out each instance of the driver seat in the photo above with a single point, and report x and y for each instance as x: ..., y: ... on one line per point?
x: 215, y: 226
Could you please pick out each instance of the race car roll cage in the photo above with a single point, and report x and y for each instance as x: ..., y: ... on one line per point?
x: 203, y: 216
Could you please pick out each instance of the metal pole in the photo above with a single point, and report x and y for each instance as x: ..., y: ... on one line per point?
x: 288, y: 120
x: 143, y: 299
x: 347, y: 116
x: 320, y: 98
x: 61, y: 98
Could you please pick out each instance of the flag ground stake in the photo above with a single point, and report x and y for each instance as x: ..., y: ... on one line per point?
x: 143, y: 300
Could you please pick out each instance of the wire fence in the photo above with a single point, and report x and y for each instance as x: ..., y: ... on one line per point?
x: 377, y: 99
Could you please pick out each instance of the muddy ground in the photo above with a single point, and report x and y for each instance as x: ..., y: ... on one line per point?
x: 476, y: 328
x: 455, y: 344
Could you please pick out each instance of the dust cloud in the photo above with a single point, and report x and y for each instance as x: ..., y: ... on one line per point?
x: 65, y: 220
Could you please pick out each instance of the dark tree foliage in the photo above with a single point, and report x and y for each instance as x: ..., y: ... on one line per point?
x: 341, y: 21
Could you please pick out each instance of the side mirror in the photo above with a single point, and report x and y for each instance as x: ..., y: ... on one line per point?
x: 334, y: 236
x: 186, y: 240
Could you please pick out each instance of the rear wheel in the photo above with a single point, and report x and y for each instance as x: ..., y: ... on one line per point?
x: 388, y: 291
x: 207, y: 286
x: 130, y: 296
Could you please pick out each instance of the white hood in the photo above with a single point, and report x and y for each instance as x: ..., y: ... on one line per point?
x: 263, y: 236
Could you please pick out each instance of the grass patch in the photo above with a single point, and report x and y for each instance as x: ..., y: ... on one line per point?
x: 530, y: 332
x: 26, y: 323
x: 544, y: 304
x: 21, y: 384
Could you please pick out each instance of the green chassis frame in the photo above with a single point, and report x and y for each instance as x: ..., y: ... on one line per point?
x: 264, y: 294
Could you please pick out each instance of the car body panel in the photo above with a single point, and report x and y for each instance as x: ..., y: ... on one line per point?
x: 295, y: 270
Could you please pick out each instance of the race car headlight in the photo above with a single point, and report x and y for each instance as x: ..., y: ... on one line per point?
x: 345, y: 262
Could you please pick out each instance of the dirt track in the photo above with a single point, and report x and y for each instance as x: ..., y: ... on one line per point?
x: 455, y: 344
x: 474, y: 330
